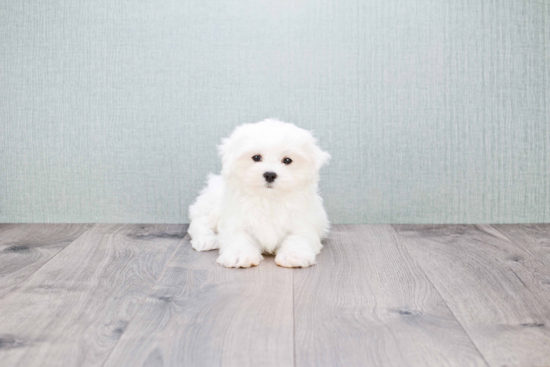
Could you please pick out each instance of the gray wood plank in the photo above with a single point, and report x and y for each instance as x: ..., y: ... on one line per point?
x: 492, y: 286
x: 4, y: 226
x: 368, y: 303
x: 73, y: 310
x: 202, y: 314
x: 533, y: 238
x: 24, y: 248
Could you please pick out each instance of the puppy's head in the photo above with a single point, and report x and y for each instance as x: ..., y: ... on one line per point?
x: 271, y: 156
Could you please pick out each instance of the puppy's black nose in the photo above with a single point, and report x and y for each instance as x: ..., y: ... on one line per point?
x: 270, y: 176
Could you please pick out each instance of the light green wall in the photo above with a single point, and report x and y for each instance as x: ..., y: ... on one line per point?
x: 434, y: 111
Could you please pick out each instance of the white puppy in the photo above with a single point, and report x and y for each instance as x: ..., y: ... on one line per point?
x: 266, y: 199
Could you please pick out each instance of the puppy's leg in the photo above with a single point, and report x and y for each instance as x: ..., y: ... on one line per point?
x: 203, y: 237
x: 238, y: 250
x: 298, y: 251
x: 204, y: 214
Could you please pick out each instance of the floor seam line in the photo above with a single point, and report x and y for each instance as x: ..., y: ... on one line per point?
x: 515, y: 243
x: 440, y: 295
x: 293, y: 323
x: 147, y: 295
x: 53, y: 257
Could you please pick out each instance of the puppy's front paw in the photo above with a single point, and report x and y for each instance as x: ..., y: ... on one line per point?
x: 295, y: 259
x: 239, y: 258
x: 204, y: 243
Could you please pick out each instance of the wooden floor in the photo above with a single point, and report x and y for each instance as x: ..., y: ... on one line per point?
x: 380, y: 295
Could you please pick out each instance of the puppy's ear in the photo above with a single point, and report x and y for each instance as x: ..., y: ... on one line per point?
x: 320, y: 157
x: 224, y: 152
x: 222, y: 148
x: 229, y: 147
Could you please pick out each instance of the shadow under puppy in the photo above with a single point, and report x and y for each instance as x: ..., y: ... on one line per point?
x: 266, y: 199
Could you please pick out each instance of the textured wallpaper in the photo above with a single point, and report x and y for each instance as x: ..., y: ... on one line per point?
x: 434, y: 111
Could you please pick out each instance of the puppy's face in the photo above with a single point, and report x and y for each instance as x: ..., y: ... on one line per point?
x: 271, y: 156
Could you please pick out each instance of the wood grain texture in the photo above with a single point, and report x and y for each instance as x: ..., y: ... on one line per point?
x: 202, y: 314
x: 367, y: 303
x: 138, y: 295
x: 533, y: 238
x: 24, y: 248
x: 73, y: 310
x: 497, y: 291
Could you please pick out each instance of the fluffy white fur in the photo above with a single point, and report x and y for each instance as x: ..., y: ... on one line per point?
x: 244, y: 215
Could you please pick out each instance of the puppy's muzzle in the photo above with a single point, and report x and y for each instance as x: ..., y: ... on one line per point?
x: 270, y: 176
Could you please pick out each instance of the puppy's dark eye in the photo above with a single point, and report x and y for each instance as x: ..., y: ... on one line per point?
x: 257, y: 158
x: 287, y: 161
